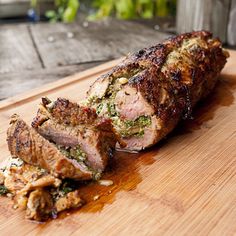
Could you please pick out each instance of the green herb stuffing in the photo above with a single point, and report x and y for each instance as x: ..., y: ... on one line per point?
x: 140, y: 133
x: 111, y: 109
x: 66, y: 190
x: 78, y: 154
x: 3, y: 190
x: 132, y: 127
x: 92, y: 100
x: 99, y: 108
x: 107, y: 108
x: 66, y: 187
x: 141, y: 121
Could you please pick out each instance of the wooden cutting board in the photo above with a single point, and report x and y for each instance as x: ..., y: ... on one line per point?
x: 185, y: 185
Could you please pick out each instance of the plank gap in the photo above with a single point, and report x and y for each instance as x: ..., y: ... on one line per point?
x: 35, y: 46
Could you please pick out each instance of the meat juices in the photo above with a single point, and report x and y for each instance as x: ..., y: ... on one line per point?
x: 150, y: 91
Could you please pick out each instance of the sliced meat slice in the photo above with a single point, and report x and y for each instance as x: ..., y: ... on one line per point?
x: 95, y: 137
x: 97, y: 145
x: 24, y: 142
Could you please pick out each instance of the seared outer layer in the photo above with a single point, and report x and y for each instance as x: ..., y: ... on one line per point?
x: 69, y: 113
x: 65, y: 112
x: 172, y: 76
x: 25, y: 143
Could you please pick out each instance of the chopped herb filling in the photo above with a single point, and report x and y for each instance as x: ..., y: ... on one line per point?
x: 99, y: 108
x: 133, y: 127
x: 66, y: 187
x: 74, y: 153
x: 3, y: 190
x: 79, y: 155
x: 105, y: 106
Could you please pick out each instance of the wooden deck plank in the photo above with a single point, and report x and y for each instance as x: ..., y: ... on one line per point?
x: 14, y: 83
x: 17, y: 51
x: 103, y: 40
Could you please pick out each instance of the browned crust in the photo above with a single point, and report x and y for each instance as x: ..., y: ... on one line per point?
x: 68, y: 113
x: 183, y: 85
x: 209, y: 63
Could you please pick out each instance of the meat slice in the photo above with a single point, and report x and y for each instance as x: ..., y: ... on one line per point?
x: 70, y: 125
x: 24, y: 142
x: 161, y: 84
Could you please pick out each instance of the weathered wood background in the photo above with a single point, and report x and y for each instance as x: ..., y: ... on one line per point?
x: 231, y: 33
x: 35, y: 54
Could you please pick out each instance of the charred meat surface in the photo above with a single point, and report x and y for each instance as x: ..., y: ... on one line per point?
x: 24, y: 142
x: 159, y: 85
x: 66, y: 112
x: 78, y: 131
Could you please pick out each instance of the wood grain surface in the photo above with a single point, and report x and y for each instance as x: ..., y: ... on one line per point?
x: 98, y: 41
x: 17, y: 50
x: 185, y: 185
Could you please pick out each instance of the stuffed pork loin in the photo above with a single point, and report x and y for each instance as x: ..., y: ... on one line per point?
x: 150, y: 91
